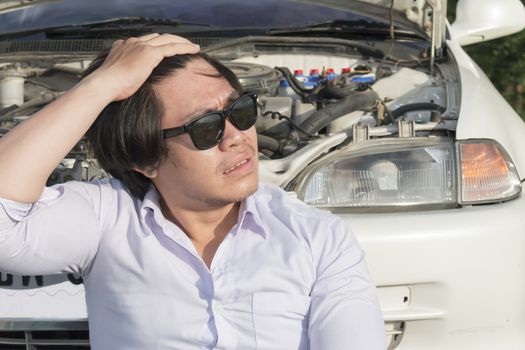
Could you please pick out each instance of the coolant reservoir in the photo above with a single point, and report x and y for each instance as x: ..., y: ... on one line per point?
x: 404, y: 82
x: 11, y: 87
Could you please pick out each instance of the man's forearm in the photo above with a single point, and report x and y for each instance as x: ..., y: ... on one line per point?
x: 30, y: 152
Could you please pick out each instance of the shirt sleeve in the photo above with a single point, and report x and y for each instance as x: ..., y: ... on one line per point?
x: 59, y: 233
x: 344, y: 308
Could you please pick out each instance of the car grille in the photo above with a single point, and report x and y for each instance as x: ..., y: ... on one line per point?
x: 204, y: 42
x: 93, y: 46
x: 49, y: 334
x: 55, y: 46
x: 44, y: 340
x: 79, y: 339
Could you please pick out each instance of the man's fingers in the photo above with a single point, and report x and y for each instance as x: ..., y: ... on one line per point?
x: 117, y: 42
x: 167, y: 39
x: 154, y: 39
x: 134, y: 59
x: 148, y: 37
x: 172, y: 49
x: 158, y: 44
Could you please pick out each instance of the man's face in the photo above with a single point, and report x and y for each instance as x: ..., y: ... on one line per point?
x: 223, y: 174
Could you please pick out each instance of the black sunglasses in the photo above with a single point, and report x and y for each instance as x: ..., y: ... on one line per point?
x: 207, y: 130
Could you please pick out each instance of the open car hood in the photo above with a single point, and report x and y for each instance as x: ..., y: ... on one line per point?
x: 11, y: 5
x: 428, y: 15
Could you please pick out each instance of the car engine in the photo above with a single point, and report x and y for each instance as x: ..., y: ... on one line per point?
x: 340, y: 100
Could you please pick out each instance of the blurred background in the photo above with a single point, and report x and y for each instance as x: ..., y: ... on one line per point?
x: 503, y: 60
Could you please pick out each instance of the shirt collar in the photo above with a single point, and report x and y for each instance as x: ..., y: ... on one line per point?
x: 248, y: 214
x: 249, y: 217
x: 151, y: 207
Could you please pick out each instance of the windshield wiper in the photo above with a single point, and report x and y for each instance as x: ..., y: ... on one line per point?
x: 124, y: 26
x: 360, y: 26
x: 126, y: 23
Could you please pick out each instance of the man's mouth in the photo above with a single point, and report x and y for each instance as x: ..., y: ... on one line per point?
x: 244, y: 161
x: 242, y: 165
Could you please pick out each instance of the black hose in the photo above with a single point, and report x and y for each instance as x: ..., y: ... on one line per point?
x: 332, y: 91
x: 324, y: 116
x: 417, y: 107
x: 267, y: 142
x: 296, y: 85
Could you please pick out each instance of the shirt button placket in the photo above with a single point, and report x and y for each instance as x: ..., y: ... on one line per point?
x: 216, y: 307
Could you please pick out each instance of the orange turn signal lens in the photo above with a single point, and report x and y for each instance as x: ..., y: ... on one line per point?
x: 487, y: 173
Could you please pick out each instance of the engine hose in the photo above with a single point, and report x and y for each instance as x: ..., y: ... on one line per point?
x: 267, y: 142
x: 324, y: 116
x: 294, y: 83
x: 331, y: 91
x: 416, y: 107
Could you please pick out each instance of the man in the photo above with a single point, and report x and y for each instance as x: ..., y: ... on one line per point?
x: 181, y: 249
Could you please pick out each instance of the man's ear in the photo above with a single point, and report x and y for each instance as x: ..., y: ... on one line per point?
x: 149, y: 172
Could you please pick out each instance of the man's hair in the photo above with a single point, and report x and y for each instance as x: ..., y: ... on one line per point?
x: 127, y: 134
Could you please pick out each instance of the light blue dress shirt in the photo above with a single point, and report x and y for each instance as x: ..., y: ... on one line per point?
x: 287, y: 276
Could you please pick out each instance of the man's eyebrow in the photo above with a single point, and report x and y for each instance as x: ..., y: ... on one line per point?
x: 232, y: 97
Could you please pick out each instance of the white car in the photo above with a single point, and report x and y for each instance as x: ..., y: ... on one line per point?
x: 370, y: 109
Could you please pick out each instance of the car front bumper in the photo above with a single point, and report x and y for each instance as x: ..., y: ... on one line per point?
x: 449, y: 279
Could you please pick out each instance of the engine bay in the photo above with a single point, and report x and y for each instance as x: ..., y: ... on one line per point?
x: 308, y: 105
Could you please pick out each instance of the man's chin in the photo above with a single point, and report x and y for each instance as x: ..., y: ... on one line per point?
x: 244, y: 191
x: 248, y: 193
x: 237, y: 196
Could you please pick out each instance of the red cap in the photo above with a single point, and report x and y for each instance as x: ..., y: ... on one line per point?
x: 298, y: 72
x: 329, y: 70
x: 314, y: 71
x: 346, y: 70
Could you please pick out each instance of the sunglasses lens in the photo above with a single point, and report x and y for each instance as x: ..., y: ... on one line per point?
x: 244, y: 113
x: 206, y: 132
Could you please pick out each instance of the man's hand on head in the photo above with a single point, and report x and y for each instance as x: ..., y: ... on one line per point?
x: 53, y: 132
x: 130, y: 62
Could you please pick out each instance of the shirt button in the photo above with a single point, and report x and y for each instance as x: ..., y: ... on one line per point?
x: 217, y: 308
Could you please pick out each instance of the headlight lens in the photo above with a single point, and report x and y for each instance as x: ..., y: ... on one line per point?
x: 388, y: 174
x: 410, y: 172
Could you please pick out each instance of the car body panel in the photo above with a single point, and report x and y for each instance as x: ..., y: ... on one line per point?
x: 13, y: 5
x: 462, y: 266
x: 482, y: 20
x: 41, y: 297
x: 484, y: 112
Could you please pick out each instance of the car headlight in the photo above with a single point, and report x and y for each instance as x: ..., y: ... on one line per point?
x: 410, y: 172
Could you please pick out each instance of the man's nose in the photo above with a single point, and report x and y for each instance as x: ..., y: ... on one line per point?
x: 232, y: 136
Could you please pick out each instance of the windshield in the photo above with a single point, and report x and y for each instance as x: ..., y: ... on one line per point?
x: 223, y: 14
